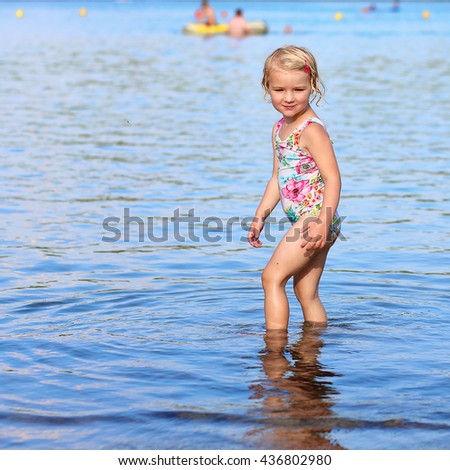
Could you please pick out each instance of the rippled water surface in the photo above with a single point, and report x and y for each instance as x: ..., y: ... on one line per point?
x: 158, y: 342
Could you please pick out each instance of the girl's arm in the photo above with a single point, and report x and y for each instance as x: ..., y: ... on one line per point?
x: 268, y: 202
x: 319, y: 146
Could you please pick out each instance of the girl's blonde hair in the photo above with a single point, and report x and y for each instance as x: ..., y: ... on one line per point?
x: 294, y: 58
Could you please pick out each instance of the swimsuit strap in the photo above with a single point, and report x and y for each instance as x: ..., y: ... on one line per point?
x: 279, y: 124
x: 306, y: 123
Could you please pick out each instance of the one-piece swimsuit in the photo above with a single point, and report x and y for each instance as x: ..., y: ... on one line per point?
x: 299, y: 180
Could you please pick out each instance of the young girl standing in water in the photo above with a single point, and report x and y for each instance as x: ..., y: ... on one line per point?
x: 306, y: 179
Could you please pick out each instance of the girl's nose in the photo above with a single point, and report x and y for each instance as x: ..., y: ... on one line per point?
x: 288, y: 97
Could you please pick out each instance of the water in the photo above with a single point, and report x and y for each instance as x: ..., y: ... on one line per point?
x: 160, y: 344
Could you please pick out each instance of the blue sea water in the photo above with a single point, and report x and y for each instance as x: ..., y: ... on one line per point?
x: 157, y: 341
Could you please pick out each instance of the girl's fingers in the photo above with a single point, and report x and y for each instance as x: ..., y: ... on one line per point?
x: 253, y: 239
x: 313, y: 236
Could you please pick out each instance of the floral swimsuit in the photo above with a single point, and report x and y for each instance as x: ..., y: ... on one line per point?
x: 299, y: 180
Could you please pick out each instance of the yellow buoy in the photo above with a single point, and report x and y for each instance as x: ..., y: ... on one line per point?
x: 426, y: 14
x: 19, y: 13
x: 338, y: 16
x: 83, y: 12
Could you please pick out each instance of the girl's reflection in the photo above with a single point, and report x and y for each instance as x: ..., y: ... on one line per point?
x: 298, y: 397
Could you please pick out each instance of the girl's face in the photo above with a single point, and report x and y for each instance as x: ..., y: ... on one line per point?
x: 289, y: 91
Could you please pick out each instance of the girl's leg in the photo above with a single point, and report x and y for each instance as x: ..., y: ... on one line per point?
x: 288, y: 259
x: 306, y: 288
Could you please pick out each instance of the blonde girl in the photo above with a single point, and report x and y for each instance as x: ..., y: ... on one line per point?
x: 306, y: 179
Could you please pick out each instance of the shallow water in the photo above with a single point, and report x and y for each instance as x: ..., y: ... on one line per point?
x: 159, y: 343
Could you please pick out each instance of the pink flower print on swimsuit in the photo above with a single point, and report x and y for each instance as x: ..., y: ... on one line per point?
x: 296, y: 191
x: 299, y: 180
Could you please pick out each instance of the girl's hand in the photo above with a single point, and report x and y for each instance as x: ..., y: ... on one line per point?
x: 254, y: 232
x: 314, y: 235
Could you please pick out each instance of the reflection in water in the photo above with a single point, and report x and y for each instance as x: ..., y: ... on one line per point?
x: 297, y: 399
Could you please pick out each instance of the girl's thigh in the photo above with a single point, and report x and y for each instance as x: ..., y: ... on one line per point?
x: 289, y: 257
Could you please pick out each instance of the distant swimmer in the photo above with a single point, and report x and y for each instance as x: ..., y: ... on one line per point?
x: 238, y: 26
x: 206, y: 14
x: 369, y: 8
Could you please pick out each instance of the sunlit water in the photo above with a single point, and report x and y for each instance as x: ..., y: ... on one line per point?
x: 159, y: 343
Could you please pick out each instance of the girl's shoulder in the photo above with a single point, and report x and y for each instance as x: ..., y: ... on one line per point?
x: 315, y: 133
x: 318, y: 129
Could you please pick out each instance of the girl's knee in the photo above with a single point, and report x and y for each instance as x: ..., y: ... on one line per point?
x: 270, y: 278
x: 305, y: 296
x: 266, y: 278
